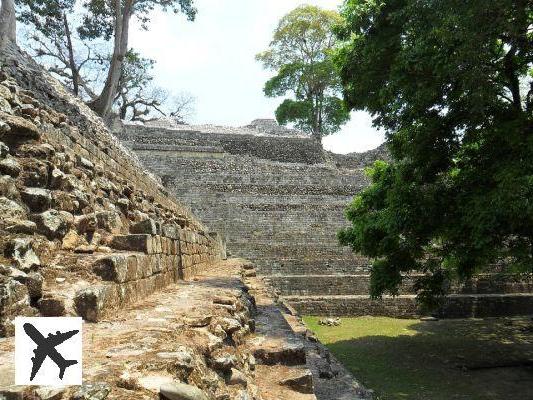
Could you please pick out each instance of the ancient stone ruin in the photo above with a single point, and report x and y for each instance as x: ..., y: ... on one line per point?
x: 278, y: 199
x: 138, y: 233
x: 86, y: 231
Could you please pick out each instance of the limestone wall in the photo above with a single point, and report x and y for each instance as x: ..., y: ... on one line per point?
x: 84, y: 228
x: 282, y: 215
x: 278, y: 199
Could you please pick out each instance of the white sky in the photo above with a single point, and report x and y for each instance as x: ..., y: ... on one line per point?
x: 212, y: 58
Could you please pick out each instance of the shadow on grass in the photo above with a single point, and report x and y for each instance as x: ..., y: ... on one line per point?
x: 433, y: 360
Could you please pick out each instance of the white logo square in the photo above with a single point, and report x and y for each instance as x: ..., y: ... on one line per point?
x: 48, y: 351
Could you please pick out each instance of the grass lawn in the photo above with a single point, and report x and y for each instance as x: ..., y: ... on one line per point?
x: 435, y: 360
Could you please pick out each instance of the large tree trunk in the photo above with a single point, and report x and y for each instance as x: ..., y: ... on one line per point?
x: 73, y: 66
x: 8, y: 32
x: 103, y: 103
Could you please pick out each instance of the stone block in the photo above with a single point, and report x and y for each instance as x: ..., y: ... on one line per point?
x: 53, y: 224
x: 136, y: 242
x: 36, y: 199
x: 147, y: 226
x: 114, y: 268
x: 21, y: 129
x: 301, y: 382
x: 280, y: 353
x: 171, y: 231
x: 52, y: 306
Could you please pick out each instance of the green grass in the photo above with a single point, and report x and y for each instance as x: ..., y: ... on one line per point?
x: 409, y: 359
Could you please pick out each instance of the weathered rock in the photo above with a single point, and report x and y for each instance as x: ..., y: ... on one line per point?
x: 5, y: 93
x: 229, y: 325
x: 89, y: 303
x: 31, y: 150
x: 65, y: 201
x: 113, y: 268
x: 5, y: 107
x: 34, y: 173
x: 34, y: 283
x: 181, y: 391
x: 85, y: 249
x: 83, y: 162
x: 21, y: 251
x: 95, y: 391
x: 142, y: 243
x: 86, y: 223
x: 224, y: 300
x: 4, y: 128
x: 123, y: 204
x: 71, y: 240
x: 16, y: 393
x: 53, y: 224
x: 236, y: 377
x: 301, y: 382
x: 144, y: 227
x: 10, y: 166
x: 11, y: 209
x: 4, y: 150
x: 222, y: 363
x: 110, y: 221
x: 8, y: 187
x: 50, y: 393
x: 21, y: 129
x: 249, y: 273
x: 14, y: 302
x: 56, y: 178
x: 182, y: 358
x: 36, y: 199
x: 21, y: 226
x: 198, y: 321
x: 285, y: 354
x: 51, y: 306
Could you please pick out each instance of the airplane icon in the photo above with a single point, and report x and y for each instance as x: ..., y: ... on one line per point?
x: 46, y: 348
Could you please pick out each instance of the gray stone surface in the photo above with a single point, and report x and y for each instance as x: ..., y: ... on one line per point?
x: 181, y: 391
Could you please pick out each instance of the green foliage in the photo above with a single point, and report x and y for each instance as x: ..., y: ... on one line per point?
x: 300, y: 54
x: 46, y: 16
x: 100, y: 17
x: 450, y: 83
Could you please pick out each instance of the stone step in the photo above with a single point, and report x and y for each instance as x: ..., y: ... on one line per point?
x: 405, y: 306
x: 98, y: 301
x: 358, y: 284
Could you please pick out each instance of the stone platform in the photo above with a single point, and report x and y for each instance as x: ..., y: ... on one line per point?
x: 279, y: 200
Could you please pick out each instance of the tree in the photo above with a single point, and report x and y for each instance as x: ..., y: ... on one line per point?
x: 111, y: 18
x: 53, y: 38
x: 450, y: 82
x: 70, y: 49
x: 300, y: 54
x: 8, y: 31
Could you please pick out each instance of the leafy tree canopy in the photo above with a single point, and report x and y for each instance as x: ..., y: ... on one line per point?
x: 300, y: 54
x: 99, y: 21
x: 451, y: 83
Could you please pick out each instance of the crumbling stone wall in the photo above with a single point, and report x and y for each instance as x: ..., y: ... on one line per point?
x: 283, y: 215
x: 279, y: 200
x: 84, y: 228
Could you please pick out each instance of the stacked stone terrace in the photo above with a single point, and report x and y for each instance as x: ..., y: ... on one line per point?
x: 278, y: 199
x: 84, y: 229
